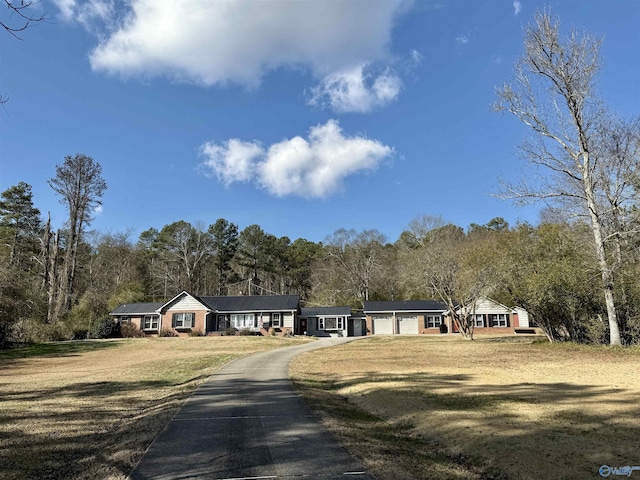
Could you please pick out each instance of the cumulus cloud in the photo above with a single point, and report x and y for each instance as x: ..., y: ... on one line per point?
x: 357, y: 90
x: 517, y: 7
x: 212, y: 43
x: 313, y: 167
x: 233, y: 161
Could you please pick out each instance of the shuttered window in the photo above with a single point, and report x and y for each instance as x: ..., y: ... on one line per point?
x: 183, y: 320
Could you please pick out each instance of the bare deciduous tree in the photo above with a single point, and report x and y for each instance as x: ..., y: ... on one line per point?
x: 18, y: 17
x: 356, y: 259
x: 458, y: 271
x: 80, y: 185
x: 553, y: 93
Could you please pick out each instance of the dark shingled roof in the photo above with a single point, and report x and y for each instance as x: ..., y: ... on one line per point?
x: 405, y: 305
x: 317, y: 311
x: 136, y: 308
x: 252, y: 303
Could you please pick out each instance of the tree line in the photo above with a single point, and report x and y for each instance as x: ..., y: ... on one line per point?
x: 575, y: 271
x: 57, y: 285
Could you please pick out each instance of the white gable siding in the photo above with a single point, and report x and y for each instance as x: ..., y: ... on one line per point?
x: 523, y: 316
x: 187, y: 302
x: 287, y: 320
x: 485, y: 305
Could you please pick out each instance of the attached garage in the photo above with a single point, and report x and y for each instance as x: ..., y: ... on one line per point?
x: 408, y: 324
x: 382, y: 325
x: 408, y: 317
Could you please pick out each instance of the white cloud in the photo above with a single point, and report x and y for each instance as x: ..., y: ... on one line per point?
x: 462, y: 39
x: 86, y: 12
x: 357, y: 90
x: 517, y: 7
x: 416, y: 57
x: 234, y: 161
x: 212, y: 43
x: 97, y: 210
x: 314, y: 167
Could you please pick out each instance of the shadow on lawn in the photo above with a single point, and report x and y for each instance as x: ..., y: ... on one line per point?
x: 571, y: 441
x: 65, y: 443
x: 57, y: 349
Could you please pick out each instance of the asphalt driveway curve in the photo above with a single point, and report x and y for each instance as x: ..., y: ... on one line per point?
x: 246, y: 422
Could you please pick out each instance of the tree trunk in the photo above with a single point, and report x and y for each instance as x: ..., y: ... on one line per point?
x: 601, y: 254
x: 53, y: 278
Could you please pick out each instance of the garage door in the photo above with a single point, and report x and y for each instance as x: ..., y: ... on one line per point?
x: 408, y: 325
x: 382, y: 326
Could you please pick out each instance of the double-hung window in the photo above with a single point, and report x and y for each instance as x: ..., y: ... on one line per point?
x: 183, y: 320
x: 499, y: 320
x: 478, y: 320
x: 434, y: 321
x: 275, y: 320
x: 150, y: 322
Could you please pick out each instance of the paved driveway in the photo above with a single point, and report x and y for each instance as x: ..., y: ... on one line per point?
x: 246, y: 422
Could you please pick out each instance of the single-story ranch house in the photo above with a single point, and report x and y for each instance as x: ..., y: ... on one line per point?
x: 431, y: 317
x: 282, y: 314
x: 185, y: 313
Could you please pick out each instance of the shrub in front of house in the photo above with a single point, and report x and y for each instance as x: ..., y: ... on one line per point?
x: 168, y: 332
x: 80, y: 334
x: 196, y: 333
x: 129, y: 330
x: 230, y: 331
x: 244, y: 331
x: 105, y: 328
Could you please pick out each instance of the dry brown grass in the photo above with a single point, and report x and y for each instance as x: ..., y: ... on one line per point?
x: 90, y: 409
x: 438, y: 407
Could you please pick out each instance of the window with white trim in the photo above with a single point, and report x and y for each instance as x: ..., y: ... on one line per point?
x: 243, y: 320
x: 150, y: 322
x: 183, y: 320
x: 124, y: 320
x: 478, y: 320
x: 275, y: 320
x: 433, y: 321
x: 331, y: 323
x: 498, y: 320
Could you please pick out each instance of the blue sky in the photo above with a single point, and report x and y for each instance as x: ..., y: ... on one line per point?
x: 302, y: 117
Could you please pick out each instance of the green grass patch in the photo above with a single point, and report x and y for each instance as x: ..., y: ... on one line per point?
x: 58, y: 349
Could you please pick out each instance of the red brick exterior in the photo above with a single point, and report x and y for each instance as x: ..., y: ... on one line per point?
x: 448, y: 321
x: 198, y: 324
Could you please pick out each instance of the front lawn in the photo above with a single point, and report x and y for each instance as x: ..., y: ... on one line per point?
x: 88, y: 410
x: 441, y: 407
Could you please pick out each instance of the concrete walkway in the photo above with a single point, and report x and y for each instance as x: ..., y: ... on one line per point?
x: 247, y: 422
